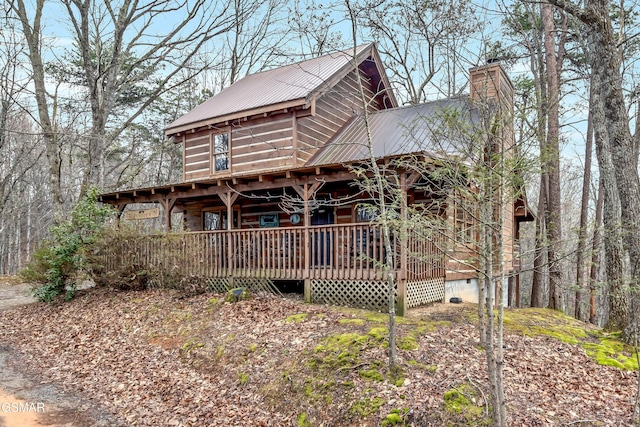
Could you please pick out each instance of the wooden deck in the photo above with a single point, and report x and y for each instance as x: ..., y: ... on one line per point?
x: 338, y: 252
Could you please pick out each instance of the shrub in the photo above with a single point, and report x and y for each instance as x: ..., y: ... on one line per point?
x: 58, y: 262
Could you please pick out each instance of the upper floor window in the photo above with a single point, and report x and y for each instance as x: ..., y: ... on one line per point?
x: 221, y: 152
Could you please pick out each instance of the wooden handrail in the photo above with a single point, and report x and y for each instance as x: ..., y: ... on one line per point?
x: 336, y: 251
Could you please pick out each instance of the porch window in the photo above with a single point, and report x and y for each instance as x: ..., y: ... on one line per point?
x: 464, y: 221
x: 212, y: 220
x: 366, y: 213
x: 221, y: 152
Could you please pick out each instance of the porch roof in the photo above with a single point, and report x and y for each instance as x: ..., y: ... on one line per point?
x: 246, y: 182
x: 416, y: 129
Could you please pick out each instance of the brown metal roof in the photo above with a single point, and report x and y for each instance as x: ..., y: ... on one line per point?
x: 415, y: 129
x: 291, y: 85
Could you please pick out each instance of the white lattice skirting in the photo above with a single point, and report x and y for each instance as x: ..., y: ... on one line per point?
x: 425, y: 291
x: 223, y: 284
x: 368, y: 294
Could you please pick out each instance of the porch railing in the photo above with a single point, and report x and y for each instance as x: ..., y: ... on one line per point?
x: 343, y: 251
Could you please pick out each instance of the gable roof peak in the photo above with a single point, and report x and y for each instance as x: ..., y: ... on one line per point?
x: 292, y: 85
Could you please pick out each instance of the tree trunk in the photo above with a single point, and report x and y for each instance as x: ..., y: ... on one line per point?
x: 615, y: 256
x: 584, y: 219
x: 615, y: 148
x: 540, y: 251
x: 32, y: 34
x: 595, y: 255
x: 379, y: 190
x: 551, y: 159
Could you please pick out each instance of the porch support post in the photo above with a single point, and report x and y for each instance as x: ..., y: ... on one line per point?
x: 401, y: 309
x: 168, y: 204
x: 120, y: 207
x: 228, y: 199
x: 306, y: 192
x: 307, y: 244
x: 510, y: 290
x: 517, y: 279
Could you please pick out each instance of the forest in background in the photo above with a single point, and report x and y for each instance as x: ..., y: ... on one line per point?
x: 87, y: 87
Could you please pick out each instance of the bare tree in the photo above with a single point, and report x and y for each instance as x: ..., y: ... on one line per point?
x: 255, y: 41
x: 424, y: 44
x: 312, y: 29
x: 378, y: 188
x: 125, y: 59
x: 32, y: 30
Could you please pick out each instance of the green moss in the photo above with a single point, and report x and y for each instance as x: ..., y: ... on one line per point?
x: 297, y: 318
x: 220, y: 349
x: 318, y: 390
x: 377, y: 317
x: 539, y: 321
x: 424, y: 327
x: 358, y: 322
x: 395, y: 418
x: 458, y: 401
x: 366, y: 406
x: 379, y: 333
x: 371, y: 374
x: 243, y: 378
x: 397, y: 376
x: 392, y: 420
x: 213, y: 301
x: 303, y: 421
x: 428, y: 368
x: 308, y: 390
x: 384, y: 318
x: 191, y: 344
x: 339, y: 351
x: 606, y: 349
x: 336, y: 343
x: 408, y: 343
x: 611, y: 352
x: 253, y: 347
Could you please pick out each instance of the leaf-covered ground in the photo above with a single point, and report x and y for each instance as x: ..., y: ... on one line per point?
x: 155, y: 358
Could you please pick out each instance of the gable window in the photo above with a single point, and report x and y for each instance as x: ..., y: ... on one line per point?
x: 220, y: 152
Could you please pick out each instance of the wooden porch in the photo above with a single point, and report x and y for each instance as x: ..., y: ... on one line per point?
x: 344, y: 253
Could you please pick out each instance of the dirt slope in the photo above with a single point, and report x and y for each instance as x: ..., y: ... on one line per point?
x: 159, y: 358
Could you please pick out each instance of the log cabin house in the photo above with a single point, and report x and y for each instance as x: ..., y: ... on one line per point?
x: 267, y: 188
